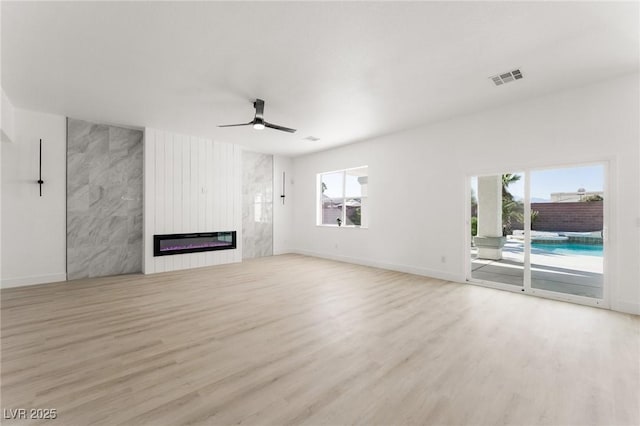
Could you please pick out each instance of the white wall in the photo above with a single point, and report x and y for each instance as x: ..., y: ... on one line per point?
x: 33, y: 227
x: 7, y: 118
x: 417, y: 181
x: 282, y: 213
x: 191, y: 185
x: 7, y: 135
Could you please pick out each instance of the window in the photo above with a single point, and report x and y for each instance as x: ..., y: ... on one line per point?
x: 342, y: 199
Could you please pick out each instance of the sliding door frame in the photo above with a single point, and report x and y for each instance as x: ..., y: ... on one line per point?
x: 609, y: 198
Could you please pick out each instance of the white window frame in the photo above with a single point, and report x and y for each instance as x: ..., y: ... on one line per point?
x: 343, y: 215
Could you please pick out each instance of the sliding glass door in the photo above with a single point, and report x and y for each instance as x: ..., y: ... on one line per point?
x: 496, y: 209
x: 540, y: 232
x: 567, y: 250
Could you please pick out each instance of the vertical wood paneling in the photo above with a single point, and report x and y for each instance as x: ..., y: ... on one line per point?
x: 193, y: 176
x: 191, y: 185
x: 160, y: 195
x: 217, y: 179
x: 177, y: 185
x: 210, y: 160
x: 168, y: 167
x: 168, y: 187
x: 186, y: 192
x: 178, y: 207
x: 222, y: 195
x: 195, y: 171
x: 186, y: 182
x: 176, y: 161
x: 172, y: 261
x: 202, y: 205
x: 149, y: 199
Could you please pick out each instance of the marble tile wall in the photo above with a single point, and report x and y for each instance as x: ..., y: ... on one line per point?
x: 257, y: 205
x: 104, y: 200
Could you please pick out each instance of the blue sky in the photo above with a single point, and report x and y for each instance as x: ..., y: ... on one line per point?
x: 544, y: 182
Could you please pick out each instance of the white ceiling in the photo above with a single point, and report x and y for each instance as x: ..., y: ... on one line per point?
x: 339, y: 71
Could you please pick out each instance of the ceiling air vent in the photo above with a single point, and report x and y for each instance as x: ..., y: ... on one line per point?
x: 506, y: 77
x: 311, y: 138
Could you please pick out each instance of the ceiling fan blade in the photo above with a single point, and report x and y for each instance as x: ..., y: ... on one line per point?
x: 276, y: 127
x: 259, y: 106
x: 236, y: 125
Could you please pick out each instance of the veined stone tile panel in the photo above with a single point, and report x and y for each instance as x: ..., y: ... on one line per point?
x: 104, y: 200
x: 257, y: 204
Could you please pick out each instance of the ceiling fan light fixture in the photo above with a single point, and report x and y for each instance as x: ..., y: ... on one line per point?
x: 258, y: 122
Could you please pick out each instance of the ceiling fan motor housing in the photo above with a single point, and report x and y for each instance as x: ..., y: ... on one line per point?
x: 258, y: 122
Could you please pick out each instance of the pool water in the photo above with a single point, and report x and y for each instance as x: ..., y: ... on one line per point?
x: 569, y: 249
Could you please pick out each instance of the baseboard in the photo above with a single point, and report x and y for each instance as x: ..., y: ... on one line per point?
x: 619, y: 305
x: 32, y: 280
x: 283, y: 251
x: 626, y: 307
x: 383, y: 265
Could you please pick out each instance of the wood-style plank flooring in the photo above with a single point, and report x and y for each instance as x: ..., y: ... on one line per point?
x: 298, y: 340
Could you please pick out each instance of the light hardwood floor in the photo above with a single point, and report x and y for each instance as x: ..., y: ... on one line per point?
x: 299, y: 340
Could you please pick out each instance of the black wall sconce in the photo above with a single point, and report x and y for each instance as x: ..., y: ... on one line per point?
x: 283, y: 187
x: 40, y: 181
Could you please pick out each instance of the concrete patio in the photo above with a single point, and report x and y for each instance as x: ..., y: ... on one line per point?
x: 576, y: 274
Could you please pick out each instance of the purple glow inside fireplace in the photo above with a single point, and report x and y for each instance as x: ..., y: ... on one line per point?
x: 167, y: 244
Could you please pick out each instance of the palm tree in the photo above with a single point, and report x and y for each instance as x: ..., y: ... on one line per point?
x: 508, y: 179
x: 511, y: 209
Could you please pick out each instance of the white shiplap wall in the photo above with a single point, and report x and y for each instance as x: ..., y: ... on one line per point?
x: 190, y: 185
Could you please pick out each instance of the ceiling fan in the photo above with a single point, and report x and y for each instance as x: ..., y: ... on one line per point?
x: 258, y: 122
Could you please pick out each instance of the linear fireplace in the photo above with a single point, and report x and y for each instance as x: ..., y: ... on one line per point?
x: 167, y: 244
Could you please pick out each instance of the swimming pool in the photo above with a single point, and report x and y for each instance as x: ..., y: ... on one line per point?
x: 569, y: 249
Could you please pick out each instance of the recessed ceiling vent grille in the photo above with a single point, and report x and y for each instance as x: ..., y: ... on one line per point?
x: 311, y: 138
x: 506, y: 77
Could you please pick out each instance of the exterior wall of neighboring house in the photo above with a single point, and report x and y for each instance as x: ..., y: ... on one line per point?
x: 570, y: 197
x: 330, y: 214
x: 332, y: 210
